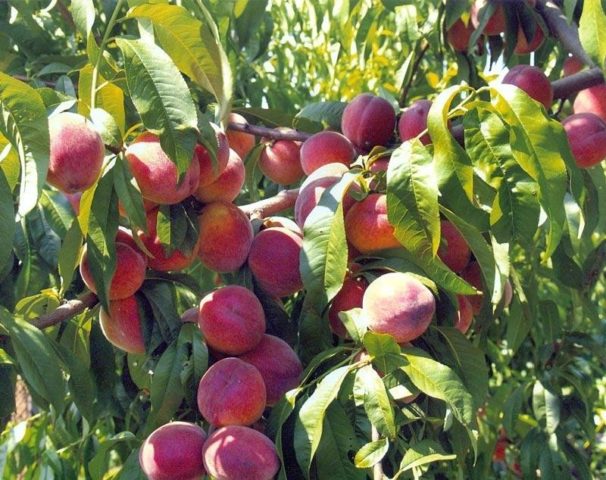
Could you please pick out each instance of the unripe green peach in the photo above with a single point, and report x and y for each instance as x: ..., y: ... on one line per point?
x: 413, y: 121
x: 399, y: 305
x: 173, y: 452
x: 231, y: 320
x: 238, y: 453
x: 228, y: 184
x: 156, y: 174
x: 122, y: 325
x: 586, y: 134
x: 326, y: 147
x: 225, y: 237
x: 367, y: 226
x: 533, y: 81
x: 368, y: 121
x: 231, y: 392
x: 76, y: 153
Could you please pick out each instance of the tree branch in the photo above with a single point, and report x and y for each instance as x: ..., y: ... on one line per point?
x: 408, y: 83
x: 564, y: 87
x: 269, y: 206
x: 273, y: 133
x: 68, y: 310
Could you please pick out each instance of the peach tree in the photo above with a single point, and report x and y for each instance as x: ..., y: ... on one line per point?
x: 302, y: 240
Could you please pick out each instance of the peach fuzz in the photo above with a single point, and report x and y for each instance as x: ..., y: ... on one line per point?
x: 122, y: 325
x: 76, y: 153
x: 367, y: 227
x: 280, y: 161
x: 278, y: 364
x: 238, y: 453
x: 413, y: 121
x: 156, y: 174
x: 368, y: 121
x: 228, y: 184
x: 231, y: 320
x: 586, y: 134
x: 274, y: 261
x: 326, y: 147
x: 173, y: 451
x: 533, y: 81
x: 225, y: 237
x: 453, y: 251
x: 231, y: 392
x: 211, y: 169
x: 496, y: 24
x: 464, y: 314
x: 458, y: 35
x: 399, y: 305
x: 242, y: 143
x: 128, y: 275
x: 162, y: 260
x: 591, y: 100
x: 350, y: 296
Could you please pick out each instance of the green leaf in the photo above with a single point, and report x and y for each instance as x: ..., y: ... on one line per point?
x: 310, y: 421
x: 385, y: 352
x: 592, y: 26
x: 355, y: 323
x: 194, y: 47
x: 371, y: 453
x: 69, y: 255
x: 328, y: 114
x: 376, y: 401
x: 24, y: 123
x: 57, y: 211
x: 546, y: 406
x: 162, y: 98
x: 422, y: 453
x: 99, y: 464
x: 83, y: 13
x: 7, y: 220
x: 129, y: 194
x: 412, y: 198
x: 167, y: 323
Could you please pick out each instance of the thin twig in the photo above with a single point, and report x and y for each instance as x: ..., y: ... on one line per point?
x: 564, y: 87
x: 272, y: 133
x: 66, y: 311
x: 272, y: 205
x: 415, y: 66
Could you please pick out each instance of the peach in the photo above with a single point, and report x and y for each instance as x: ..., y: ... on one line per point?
x: 368, y: 121
x: 414, y: 121
x: 190, y: 315
x: 162, y: 260
x: 225, y: 237
x: 156, y: 174
x: 284, y: 222
x: 591, y: 100
x: 231, y: 320
x: 533, y: 81
x: 367, y: 227
x: 458, y: 35
x: 280, y: 161
x: 228, y: 184
x: 231, y: 392
x: 453, y: 251
x: 242, y: 143
x: 523, y: 46
x: 278, y: 364
x: 507, y: 294
x: 236, y: 453
x: 128, y: 276
x: 76, y: 153
x: 472, y: 274
x: 326, y: 147
x: 122, y: 325
x: 586, y: 134
x: 209, y: 169
x: 74, y: 201
x: 572, y: 65
x: 464, y: 314
x: 497, y: 23
x: 173, y: 451
x: 274, y: 261
x: 399, y: 305
x: 350, y: 296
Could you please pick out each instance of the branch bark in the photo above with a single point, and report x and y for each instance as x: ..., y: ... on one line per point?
x: 272, y: 133
x: 68, y: 310
x: 272, y: 205
x: 564, y: 87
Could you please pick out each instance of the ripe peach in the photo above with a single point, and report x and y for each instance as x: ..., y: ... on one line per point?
x: 453, y: 251
x: 326, y: 147
x: 458, y: 35
x: 156, y: 174
x: 173, y: 451
x: 414, y: 121
x: 280, y: 161
x: 472, y: 274
x: 128, y: 276
x: 586, y: 134
x: 231, y: 392
x: 591, y: 100
x: 284, y: 222
x: 162, y: 260
x: 227, y: 185
x: 278, y: 364
x: 74, y: 201
x: 232, y: 320
x: 367, y: 227
x: 464, y: 315
x: 209, y: 169
x: 190, y: 315
x: 242, y: 143
x: 533, y: 81
x: 236, y: 453
x: 507, y: 294
x: 122, y: 325
x: 350, y: 296
x: 225, y: 237
x: 497, y: 23
x: 274, y: 261
x: 399, y: 305
x: 572, y: 65
x: 368, y: 121
x: 523, y: 46
x: 76, y: 153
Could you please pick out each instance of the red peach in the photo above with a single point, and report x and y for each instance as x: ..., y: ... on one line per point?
x: 497, y: 23
x: 209, y: 169
x: 228, y: 184
x: 464, y: 315
x: 241, y: 142
x: 122, y: 325
x: 523, y: 46
x: 533, y: 81
x: 414, y: 121
x: 368, y: 121
x: 367, y: 226
x: 280, y: 162
x: 591, y: 100
x: 586, y: 134
x: 458, y: 35
x: 350, y: 296
x: 453, y: 251
x: 472, y: 274
x: 572, y: 65
x: 284, y: 222
x: 190, y: 315
x: 326, y: 147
